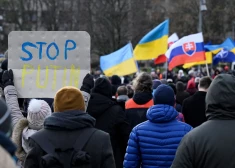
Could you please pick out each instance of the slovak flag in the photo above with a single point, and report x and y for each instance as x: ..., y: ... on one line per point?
x: 186, y: 50
x: 162, y: 58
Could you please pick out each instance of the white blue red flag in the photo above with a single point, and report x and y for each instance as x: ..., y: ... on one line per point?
x: 186, y: 50
x: 162, y: 58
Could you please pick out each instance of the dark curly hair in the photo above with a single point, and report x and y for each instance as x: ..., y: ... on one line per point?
x: 143, y: 83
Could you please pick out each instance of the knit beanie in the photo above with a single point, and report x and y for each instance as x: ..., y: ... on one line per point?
x: 5, y: 119
x: 156, y: 83
x: 69, y: 98
x: 38, y: 110
x: 103, y: 87
x: 164, y: 94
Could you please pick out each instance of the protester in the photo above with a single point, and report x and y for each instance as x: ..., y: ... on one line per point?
x: 212, y: 144
x: 130, y: 91
x: 156, y: 83
x: 126, y: 80
x: 159, y: 74
x: 69, y: 137
x: 191, y: 87
x: 137, y: 107
x: 181, y: 94
x: 180, y: 74
x: 7, y: 148
x: 197, y: 80
x: 177, y: 106
x: 164, y: 81
x: 194, y: 107
x: 153, y: 143
x: 122, y: 96
x: 110, y: 117
x: 217, y: 72
x: 116, y: 82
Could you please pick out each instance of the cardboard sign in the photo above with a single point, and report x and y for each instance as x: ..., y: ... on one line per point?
x: 45, y: 61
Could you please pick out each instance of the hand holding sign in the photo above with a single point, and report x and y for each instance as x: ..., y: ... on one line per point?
x: 43, y: 62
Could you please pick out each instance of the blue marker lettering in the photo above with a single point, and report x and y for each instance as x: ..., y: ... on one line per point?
x: 24, y: 45
x: 66, y: 49
x: 40, y: 48
x: 57, y: 51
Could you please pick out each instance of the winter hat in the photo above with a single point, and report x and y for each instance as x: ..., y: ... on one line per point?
x: 116, y: 80
x: 38, y: 110
x: 5, y: 119
x: 156, y: 83
x: 164, y: 94
x: 69, y: 98
x: 103, y: 87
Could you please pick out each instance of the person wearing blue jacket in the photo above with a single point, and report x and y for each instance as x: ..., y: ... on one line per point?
x: 154, y: 143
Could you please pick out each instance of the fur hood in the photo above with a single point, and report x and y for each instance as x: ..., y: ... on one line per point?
x: 20, y: 136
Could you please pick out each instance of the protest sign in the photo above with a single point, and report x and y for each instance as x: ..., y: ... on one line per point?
x: 45, y: 61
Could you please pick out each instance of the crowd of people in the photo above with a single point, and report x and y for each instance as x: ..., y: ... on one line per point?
x: 182, y: 121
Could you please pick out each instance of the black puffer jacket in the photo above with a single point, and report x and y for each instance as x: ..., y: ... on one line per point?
x: 110, y: 118
x: 211, y: 145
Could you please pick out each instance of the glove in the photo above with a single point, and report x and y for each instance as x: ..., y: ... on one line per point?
x: 88, y: 83
x: 7, y: 78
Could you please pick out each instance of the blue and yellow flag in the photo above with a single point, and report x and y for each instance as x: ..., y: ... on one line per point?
x: 228, y: 44
x: 154, y: 43
x: 120, y: 62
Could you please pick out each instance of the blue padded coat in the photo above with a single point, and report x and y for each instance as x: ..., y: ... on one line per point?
x: 154, y: 143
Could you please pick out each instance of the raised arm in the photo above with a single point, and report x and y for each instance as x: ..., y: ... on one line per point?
x: 11, y: 96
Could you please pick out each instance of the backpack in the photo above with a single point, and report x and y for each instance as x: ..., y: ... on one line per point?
x: 66, y: 157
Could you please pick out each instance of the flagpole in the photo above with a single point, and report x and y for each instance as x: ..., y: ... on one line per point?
x: 207, y: 69
x: 166, y: 68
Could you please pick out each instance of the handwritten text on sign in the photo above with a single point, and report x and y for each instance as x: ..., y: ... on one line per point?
x: 43, y: 62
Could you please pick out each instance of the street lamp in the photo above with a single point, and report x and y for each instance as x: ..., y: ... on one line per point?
x: 233, y: 30
x: 202, y: 7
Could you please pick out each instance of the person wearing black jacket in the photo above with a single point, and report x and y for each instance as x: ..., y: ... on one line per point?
x: 212, y: 144
x: 137, y: 107
x: 110, y: 118
x: 181, y: 94
x: 194, y: 107
x: 66, y: 127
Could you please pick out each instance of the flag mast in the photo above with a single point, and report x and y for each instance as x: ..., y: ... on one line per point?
x: 202, y: 7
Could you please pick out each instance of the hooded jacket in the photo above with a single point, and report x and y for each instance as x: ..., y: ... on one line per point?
x: 110, y: 118
x: 212, y: 144
x: 137, y: 107
x: 64, y: 128
x: 154, y: 142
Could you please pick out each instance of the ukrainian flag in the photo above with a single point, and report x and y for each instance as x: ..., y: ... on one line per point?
x: 120, y: 62
x: 228, y: 44
x: 208, y: 61
x: 153, y: 44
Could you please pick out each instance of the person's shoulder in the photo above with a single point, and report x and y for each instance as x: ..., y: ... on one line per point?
x: 116, y: 108
x: 189, y: 99
x: 100, y: 136
x: 142, y: 126
x: 201, y: 131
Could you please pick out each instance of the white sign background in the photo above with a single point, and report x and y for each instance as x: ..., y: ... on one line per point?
x: 32, y: 83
